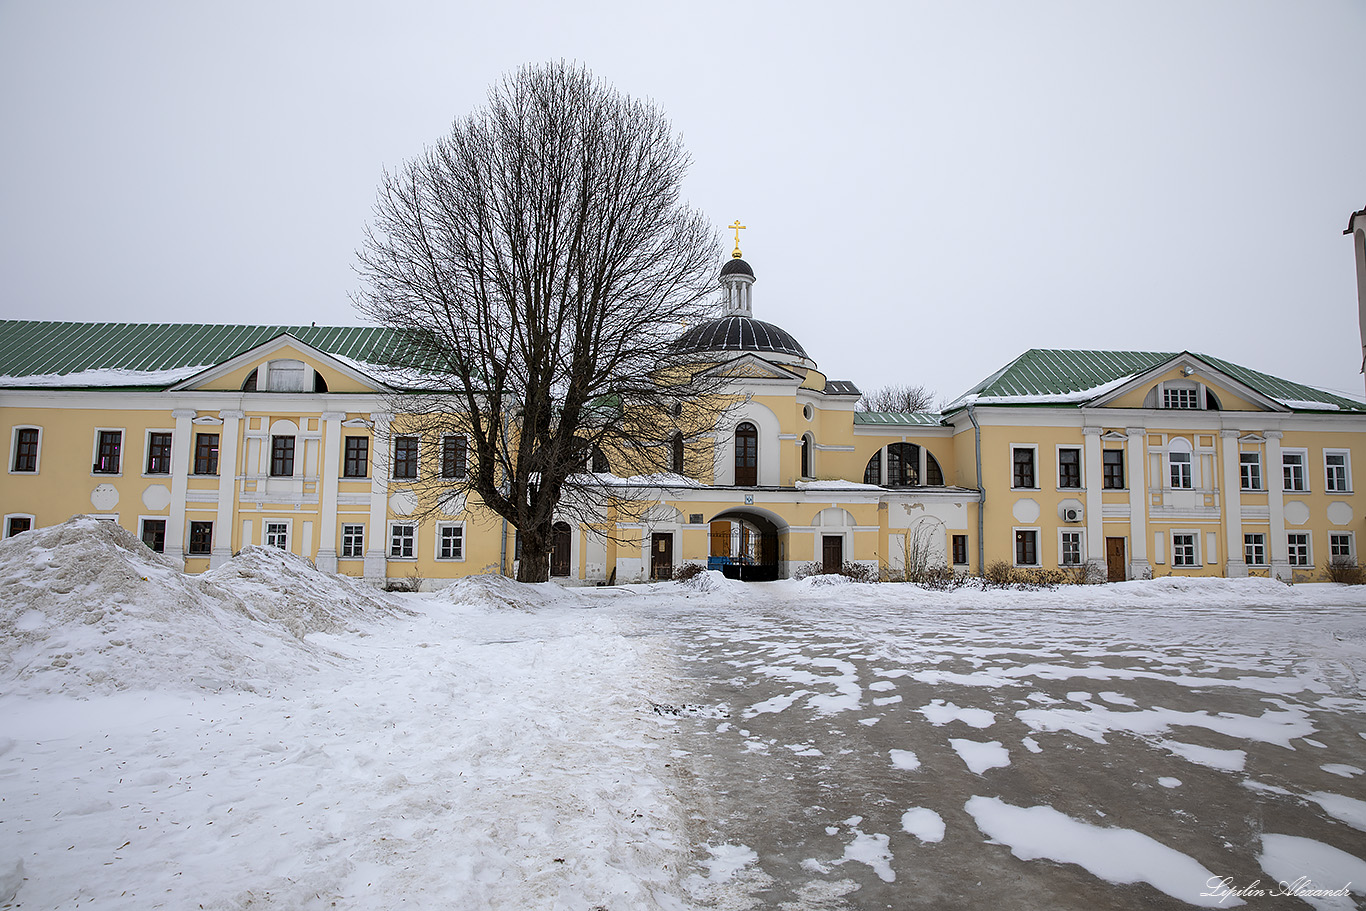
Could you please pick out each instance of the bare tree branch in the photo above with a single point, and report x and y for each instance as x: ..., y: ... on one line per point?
x: 901, y: 398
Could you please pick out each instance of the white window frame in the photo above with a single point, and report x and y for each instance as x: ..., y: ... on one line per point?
x: 213, y: 536
x: 95, y: 451
x: 1182, y: 390
x: 1081, y: 466
x: 1351, y: 545
x: 393, y: 527
x: 1346, y: 467
x: 1034, y: 451
x: 1308, y: 549
x: 1194, y: 535
x: 289, y: 532
x: 361, y: 554
x: 436, y: 549
x: 1254, y: 549
x: 142, y: 522
x: 1303, y: 470
x: 967, y: 555
x: 1063, y: 534
x: 1180, y: 446
x: 32, y: 520
x: 1038, y: 548
x: 147, y: 451
x: 1243, y: 464
x: 38, y: 456
x: 279, y: 368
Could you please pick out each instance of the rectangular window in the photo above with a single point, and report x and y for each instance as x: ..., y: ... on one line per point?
x: 1180, y: 397
x: 17, y: 525
x: 107, y: 452
x: 402, y: 541
x: 277, y: 535
x: 1338, y: 477
x: 206, y: 453
x: 1254, y: 550
x: 356, y: 460
x: 450, y: 542
x: 201, y: 537
x: 1071, y: 548
x: 1026, y: 548
x: 1183, y: 550
x: 405, y: 457
x: 454, y: 453
x: 154, y: 534
x: 1298, y: 545
x: 158, y: 453
x: 1250, y: 467
x: 26, y: 449
x: 1180, y: 469
x: 1292, y: 464
x: 960, y: 550
x: 1023, y: 474
x: 1112, y: 461
x: 1340, y: 548
x: 1069, y: 468
x: 353, y: 541
x: 282, y: 457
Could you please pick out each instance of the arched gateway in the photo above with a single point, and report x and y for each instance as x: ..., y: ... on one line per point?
x: 748, y: 543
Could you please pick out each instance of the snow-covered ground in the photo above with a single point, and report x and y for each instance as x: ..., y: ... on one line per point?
x: 268, y: 736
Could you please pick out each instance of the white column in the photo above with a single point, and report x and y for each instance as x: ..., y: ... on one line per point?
x: 1275, y: 498
x: 329, y: 466
x: 227, y: 488
x: 1139, y: 567
x: 1095, y: 482
x: 1232, y: 498
x: 377, y: 542
x: 181, y: 442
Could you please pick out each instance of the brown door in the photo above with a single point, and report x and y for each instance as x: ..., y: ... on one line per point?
x: 559, y: 549
x: 1114, y: 560
x: 661, y: 556
x: 746, y: 455
x: 832, y: 553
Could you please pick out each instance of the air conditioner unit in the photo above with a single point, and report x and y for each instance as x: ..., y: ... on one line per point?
x: 1071, y: 514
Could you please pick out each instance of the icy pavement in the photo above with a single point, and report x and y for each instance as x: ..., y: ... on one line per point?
x: 267, y: 736
x: 1166, y: 744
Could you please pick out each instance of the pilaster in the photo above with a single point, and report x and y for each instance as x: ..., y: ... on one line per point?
x: 330, y: 469
x: 181, y: 442
x: 1275, y: 498
x: 1232, y: 499
x: 227, y: 488
x: 1136, y: 455
x: 1094, y: 481
x: 376, y: 543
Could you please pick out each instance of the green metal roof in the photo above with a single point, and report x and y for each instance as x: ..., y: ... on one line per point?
x: 897, y: 417
x: 1049, y: 376
x: 160, y: 354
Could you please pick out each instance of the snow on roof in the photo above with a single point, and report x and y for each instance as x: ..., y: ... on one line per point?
x: 108, y: 376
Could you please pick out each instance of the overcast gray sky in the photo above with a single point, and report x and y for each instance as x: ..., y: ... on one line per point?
x: 929, y: 189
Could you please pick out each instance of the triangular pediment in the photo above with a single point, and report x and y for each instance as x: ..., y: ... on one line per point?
x: 1185, y: 371
x: 754, y: 369
x: 231, y: 373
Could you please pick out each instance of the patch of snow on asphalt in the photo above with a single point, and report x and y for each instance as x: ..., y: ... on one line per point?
x: 938, y: 713
x: 904, y: 759
x: 980, y: 757
x: 1309, y: 866
x: 1342, y: 769
x: 926, y: 825
x: 1348, y: 809
x: 873, y: 850
x: 1224, y: 760
x: 1112, y: 854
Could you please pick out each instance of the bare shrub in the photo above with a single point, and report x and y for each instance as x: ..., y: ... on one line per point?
x: 1345, y: 571
x: 689, y: 571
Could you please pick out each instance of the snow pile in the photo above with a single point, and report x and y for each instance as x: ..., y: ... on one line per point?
x: 86, y: 607
x: 500, y: 593
x: 285, y: 589
x: 713, y: 581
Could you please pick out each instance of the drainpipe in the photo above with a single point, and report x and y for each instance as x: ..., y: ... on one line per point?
x: 981, y: 493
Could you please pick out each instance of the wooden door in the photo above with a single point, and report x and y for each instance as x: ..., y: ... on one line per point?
x: 832, y: 553
x: 1114, y: 560
x: 560, y: 534
x: 746, y: 455
x: 661, y: 556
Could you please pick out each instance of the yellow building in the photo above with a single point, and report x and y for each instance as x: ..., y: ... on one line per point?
x: 204, y: 439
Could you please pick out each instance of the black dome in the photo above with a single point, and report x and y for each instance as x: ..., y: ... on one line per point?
x: 739, y: 333
x: 737, y: 267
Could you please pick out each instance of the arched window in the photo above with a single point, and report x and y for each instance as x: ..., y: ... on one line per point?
x: 934, y: 476
x: 903, y: 465
x: 746, y: 455
x: 806, y: 455
x: 599, y: 462
x: 873, y: 473
x: 676, y: 454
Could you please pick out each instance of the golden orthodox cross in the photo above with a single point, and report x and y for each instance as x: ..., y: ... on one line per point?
x: 737, y: 228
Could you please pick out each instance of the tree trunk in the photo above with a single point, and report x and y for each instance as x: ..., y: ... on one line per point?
x: 534, y: 565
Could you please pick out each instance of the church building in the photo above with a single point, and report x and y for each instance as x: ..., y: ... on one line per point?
x: 203, y: 439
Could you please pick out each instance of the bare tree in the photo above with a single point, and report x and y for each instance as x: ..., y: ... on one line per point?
x: 538, y: 263
x: 897, y: 398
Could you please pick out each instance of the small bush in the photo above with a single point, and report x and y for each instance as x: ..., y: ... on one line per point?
x: 1345, y: 571
x: 689, y: 571
x: 999, y: 573
x: 807, y: 570
x: 411, y: 583
x: 859, y: 572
